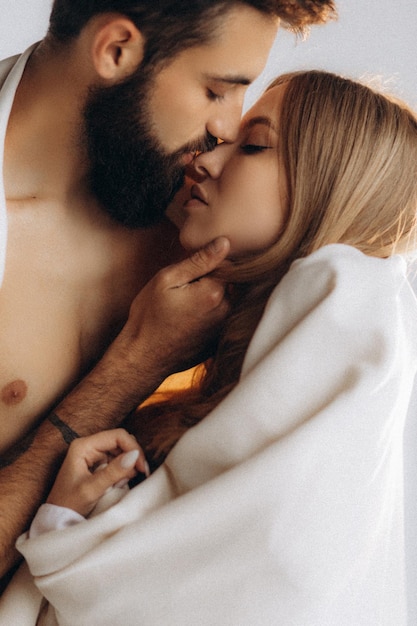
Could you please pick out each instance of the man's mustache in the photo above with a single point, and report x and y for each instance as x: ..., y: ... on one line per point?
x: 206, y: 144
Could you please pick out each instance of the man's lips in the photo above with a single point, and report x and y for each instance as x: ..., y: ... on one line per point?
x: 187, y: 158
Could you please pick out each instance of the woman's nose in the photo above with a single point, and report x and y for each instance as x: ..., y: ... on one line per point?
x: 211, y: 163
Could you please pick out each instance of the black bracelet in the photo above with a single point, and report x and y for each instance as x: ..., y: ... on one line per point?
x: 66, y: 431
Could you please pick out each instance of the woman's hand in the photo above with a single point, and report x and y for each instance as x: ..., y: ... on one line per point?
x: 94, y: 464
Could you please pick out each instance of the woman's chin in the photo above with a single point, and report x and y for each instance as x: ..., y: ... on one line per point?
x: 191, y: 244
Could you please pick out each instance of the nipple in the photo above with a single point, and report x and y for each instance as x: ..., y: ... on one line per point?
x: 14, y: 392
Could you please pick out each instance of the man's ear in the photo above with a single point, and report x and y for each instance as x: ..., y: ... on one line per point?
x: 117, y: 48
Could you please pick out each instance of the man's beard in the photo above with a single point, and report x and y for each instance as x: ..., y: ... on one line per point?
x: 130, y: 174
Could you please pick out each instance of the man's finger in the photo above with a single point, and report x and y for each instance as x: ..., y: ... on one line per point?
x: 200, y: 263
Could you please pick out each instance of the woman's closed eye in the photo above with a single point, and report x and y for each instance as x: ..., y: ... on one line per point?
x: 251, y: 148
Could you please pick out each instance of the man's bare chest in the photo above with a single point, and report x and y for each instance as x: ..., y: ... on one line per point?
x: 67, y: 290
x: 39, y: 347
x: 58, y: 311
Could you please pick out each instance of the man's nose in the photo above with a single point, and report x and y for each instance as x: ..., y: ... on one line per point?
x: 225, y: 123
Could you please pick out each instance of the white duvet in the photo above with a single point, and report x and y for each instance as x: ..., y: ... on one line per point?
x: 285, y: 505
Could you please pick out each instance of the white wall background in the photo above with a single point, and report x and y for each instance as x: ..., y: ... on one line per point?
x: 371, y: 38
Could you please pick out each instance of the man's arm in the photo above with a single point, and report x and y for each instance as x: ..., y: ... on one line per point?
x: 169, y: 323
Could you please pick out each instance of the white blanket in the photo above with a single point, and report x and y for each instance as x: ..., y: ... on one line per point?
x: 285, y: 505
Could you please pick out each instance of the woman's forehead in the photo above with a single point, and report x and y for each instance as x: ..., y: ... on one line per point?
x: 267, y: 107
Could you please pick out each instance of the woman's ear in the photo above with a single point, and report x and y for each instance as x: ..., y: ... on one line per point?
x: 117, y: 48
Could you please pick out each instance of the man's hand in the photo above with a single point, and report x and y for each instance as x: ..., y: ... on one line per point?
x: 170, y: 323
x: 175, y: 318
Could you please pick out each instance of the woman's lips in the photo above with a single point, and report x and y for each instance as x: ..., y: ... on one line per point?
x: 197, y: 193
x: 197, y: 198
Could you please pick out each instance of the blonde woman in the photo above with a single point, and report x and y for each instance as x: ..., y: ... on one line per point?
x: 284, y: 504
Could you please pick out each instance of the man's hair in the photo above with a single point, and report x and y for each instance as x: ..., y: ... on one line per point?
x: 170, y: 26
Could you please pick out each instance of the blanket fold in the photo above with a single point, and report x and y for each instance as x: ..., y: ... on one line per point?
x: 284, y: 505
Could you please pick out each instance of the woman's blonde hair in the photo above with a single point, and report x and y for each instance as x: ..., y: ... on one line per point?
x: 350, y: 158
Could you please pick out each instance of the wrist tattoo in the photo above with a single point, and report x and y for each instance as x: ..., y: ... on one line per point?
x: 66, y: 431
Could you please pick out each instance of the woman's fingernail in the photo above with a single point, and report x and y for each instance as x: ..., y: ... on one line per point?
x: 147, y: 470
x: 129, y: 459
x: 121, y: 483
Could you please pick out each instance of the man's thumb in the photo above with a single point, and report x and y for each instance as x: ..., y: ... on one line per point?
x: 205, y: 260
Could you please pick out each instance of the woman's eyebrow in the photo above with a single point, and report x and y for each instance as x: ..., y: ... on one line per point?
x: 260, y: 119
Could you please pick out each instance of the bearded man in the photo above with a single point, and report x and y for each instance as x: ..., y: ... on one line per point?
x: 98, y: 122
